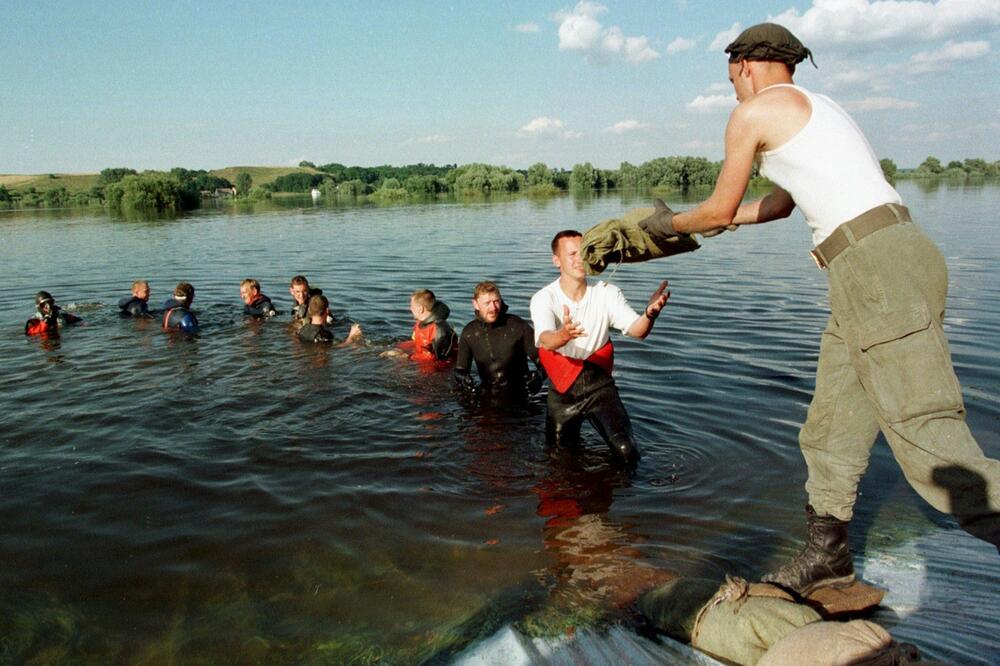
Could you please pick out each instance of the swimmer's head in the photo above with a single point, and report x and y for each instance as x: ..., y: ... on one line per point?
x: 299, y: 289
x: 140, y: 289
x: 44, y: 303
x: 421, y: 303
x: 184, y: 292
x: 319, y: 306
x: 249, y: 289
x: 486, y: 301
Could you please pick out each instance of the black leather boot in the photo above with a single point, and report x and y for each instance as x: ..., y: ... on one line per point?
x: 825, y: 561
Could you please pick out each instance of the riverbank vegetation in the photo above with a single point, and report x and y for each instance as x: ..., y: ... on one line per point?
x: 123, y: 189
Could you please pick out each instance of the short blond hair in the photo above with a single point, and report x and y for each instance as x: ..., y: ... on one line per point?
x: 250, y: 282
x: 139, y: 283
x: 424, y: 297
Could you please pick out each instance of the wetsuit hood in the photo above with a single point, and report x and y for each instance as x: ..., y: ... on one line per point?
x: 439, y: 312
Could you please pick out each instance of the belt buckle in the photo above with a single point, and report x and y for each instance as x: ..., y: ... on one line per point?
x: 817, y: 259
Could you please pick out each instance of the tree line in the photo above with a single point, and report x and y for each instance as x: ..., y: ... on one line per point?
x: 182, y: 189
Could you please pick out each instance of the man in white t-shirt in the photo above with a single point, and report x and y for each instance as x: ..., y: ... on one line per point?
x: 572, y: 320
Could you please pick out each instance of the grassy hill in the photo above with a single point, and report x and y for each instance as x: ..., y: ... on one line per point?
x: 76, y: 182
x: 262, y: 175
x: 73, y: 182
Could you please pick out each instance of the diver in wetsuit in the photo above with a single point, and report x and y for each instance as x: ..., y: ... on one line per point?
x: 255, y: 304
x: 48, y: 317
x: 500, y: 343
x: 177, y: 315
x: 316, y: 331
x: 433, y: 337
x: 136, y: 305
x: 301, y: 293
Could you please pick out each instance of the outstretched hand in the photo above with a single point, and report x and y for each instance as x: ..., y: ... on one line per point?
x: 657, y: 300
x: 570, y: 329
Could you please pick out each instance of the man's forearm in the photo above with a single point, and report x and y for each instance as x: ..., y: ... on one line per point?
x: 641, y: 327
x: 553, y: 340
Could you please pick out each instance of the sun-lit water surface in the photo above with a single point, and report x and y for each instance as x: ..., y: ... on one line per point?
x: 241, y: 497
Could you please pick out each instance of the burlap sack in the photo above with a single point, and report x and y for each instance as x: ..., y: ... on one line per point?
x: 738, y: 627
x: 621, y: 240
x: 834, y: 644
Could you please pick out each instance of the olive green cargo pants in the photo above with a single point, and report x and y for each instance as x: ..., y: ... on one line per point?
x: 884, y: 364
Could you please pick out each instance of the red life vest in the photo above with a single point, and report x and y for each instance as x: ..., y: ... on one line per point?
x: 423, y: 342
x: 563, y: 370
x: 36, y: 326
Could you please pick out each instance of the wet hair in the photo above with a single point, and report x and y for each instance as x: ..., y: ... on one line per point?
x: 565, y: 233
x: 300, y: 279
x: 318, y: 304
x: 184, y: 292
x: 485, y: 287
x: 44, y: 297
x: 250, y: 282
x: 424, y: 297
x: 139, y: 283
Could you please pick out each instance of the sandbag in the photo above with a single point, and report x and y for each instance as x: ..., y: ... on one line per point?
x: 673, y: 608
x: 621, y: 240
x: 738, y: 627
x: 858, y: 642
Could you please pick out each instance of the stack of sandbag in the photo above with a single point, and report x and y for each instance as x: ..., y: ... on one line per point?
x: 757, y: 623
x: 621, y: 240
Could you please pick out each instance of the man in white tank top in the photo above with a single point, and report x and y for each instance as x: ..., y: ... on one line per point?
x: 884, y: 361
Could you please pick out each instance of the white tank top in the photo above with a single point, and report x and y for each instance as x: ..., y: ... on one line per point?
x: 828, y: 168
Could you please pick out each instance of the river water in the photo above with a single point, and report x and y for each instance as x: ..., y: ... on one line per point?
x: 241, y: 497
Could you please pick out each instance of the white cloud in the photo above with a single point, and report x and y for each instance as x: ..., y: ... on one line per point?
x: 430, y: 138
x: 526, y: 27
x: 864, y: 23
x: 951, y: 52
x: 545, y: 126
x: 710, y: 103
x: 579, y: 30
x: 879, y: 104
x: 626, y: 126
x: 681, y: 44
x: 725, y: 38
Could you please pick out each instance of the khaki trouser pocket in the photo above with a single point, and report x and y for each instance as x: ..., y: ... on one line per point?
x: 906, y: 363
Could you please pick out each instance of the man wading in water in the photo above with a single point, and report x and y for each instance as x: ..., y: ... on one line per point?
x: 884, y: 359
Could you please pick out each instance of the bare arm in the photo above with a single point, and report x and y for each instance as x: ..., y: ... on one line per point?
x: 775, y: 206
x: 644, y: 324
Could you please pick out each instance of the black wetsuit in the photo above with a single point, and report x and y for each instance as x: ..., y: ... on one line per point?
x: 315, y: 333
x: 261, y: 307
x: 178, y: 317
x: 133, y: 306
x: 433, y: 336
x: 501, y: 351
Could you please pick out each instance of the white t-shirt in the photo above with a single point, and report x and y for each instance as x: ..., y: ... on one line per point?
x: 602, y: 307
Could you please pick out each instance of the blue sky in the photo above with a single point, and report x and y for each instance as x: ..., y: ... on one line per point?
x: 212, y: 84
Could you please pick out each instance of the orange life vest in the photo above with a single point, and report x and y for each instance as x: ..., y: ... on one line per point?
x: 563, y: 370
x: 423, y: 342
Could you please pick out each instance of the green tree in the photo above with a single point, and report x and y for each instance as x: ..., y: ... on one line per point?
x: 538, y: 174
x: 5, y: 197
x: 586, y: 177
x: 307, y: 164
x: 888, y: 168
x: 244, y: 182
x: 109, y: 176
x: 930, y: 167
x: 147, y: 192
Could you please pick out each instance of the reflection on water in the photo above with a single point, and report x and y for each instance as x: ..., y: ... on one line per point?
x: 242, y: 497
